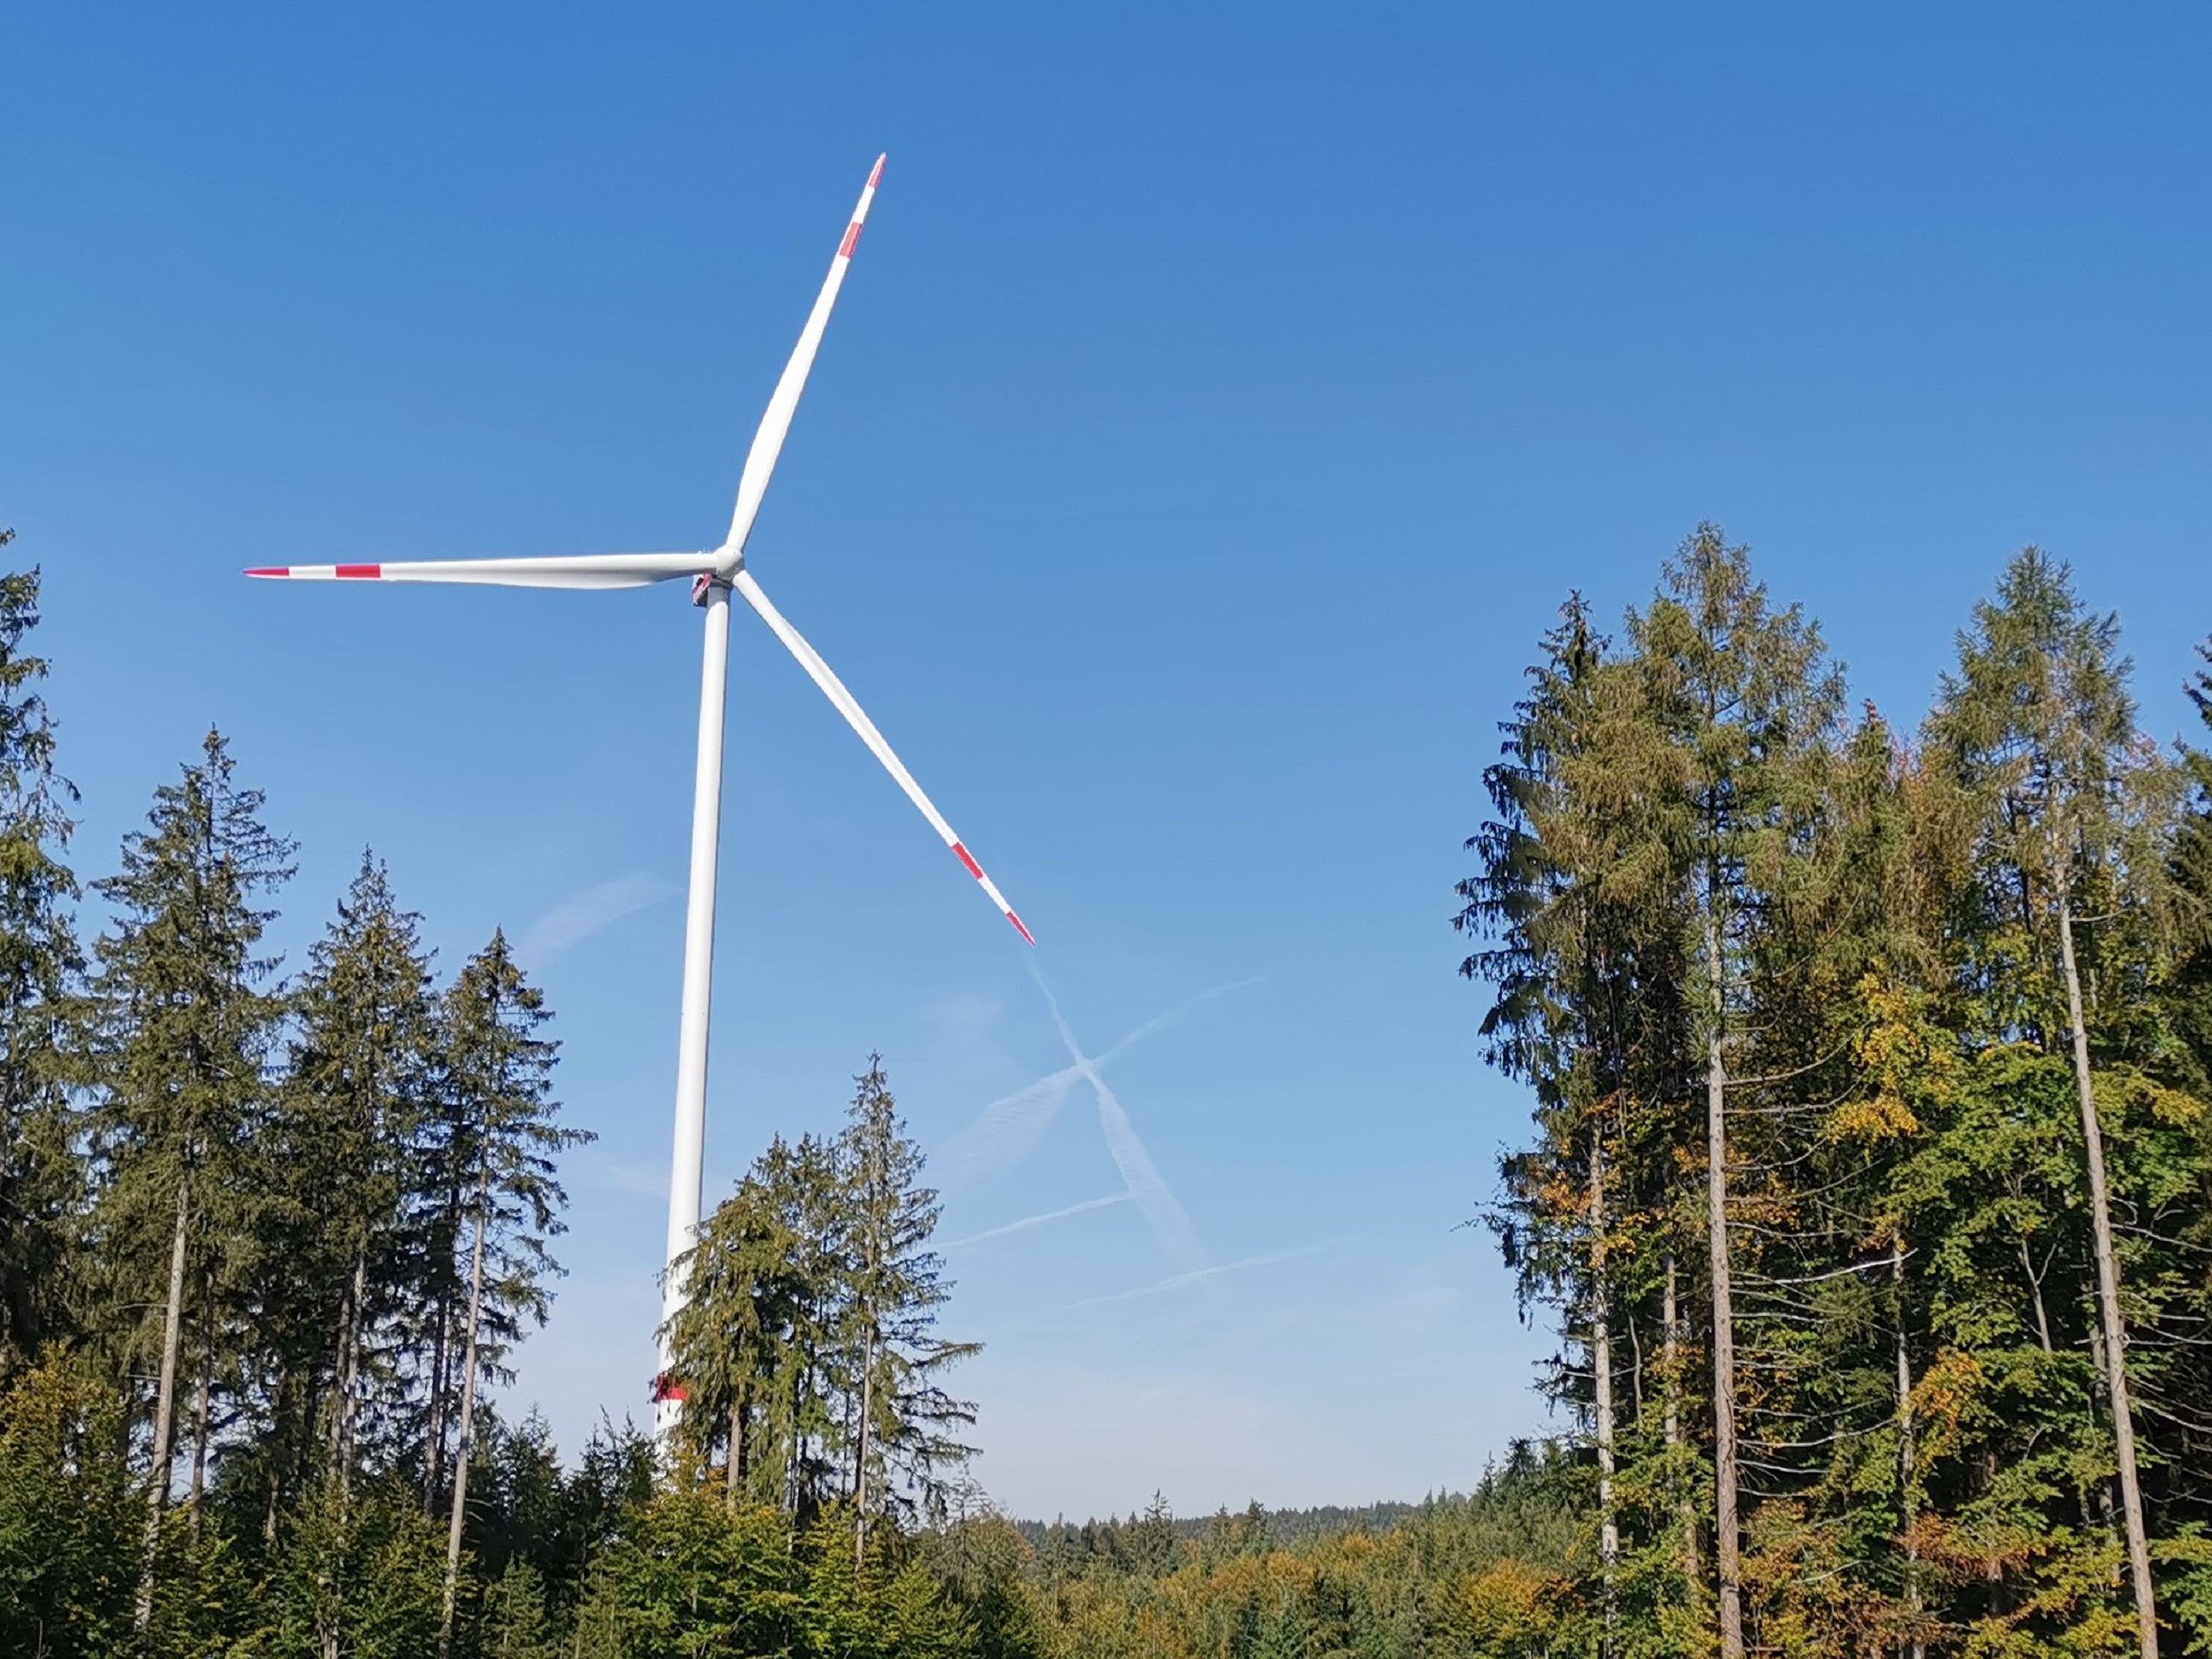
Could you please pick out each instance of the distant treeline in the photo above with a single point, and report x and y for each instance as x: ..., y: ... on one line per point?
x: 1277, y: 1526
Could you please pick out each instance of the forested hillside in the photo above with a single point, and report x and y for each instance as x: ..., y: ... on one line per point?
x: 1869, y: 1191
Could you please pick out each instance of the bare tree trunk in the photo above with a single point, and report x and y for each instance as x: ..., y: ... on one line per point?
x: 279, y: 1426
x: 2034, y: 1285
x: 433, y: 1435
x: 339, y: 1452
x: 1670, y: 1361
x: 1601, y: 1363
x: 860, y: 1445
x: 2114, y: 1331
x: 465, y: 1430
x: 338, y: 1466
x: 200, y: 1406
x: 1907, y: 1459
x: 734, y: 1474
x: 157, y: 1481
x: 1725, y: 1534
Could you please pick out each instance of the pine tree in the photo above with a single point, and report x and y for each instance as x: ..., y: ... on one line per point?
x: 183, y: 1024
x: 40, y: 1178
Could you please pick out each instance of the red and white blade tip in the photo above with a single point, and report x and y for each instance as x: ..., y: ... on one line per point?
x: 877, y: 174
x: 320, y: 572
x: 968, y: 862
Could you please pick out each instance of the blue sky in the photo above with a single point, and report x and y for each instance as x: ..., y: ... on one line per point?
x: 1223, y: 399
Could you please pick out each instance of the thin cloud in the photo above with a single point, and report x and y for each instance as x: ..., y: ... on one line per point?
x: 1198, y: 1275
x: 568, y: 925
x: 1027, y: 1221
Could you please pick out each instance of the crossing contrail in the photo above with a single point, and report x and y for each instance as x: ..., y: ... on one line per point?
x: 1027, y: 1221
x: 1005, y: 1131
x: 1170, y: 1225
x: 1198, y: 1275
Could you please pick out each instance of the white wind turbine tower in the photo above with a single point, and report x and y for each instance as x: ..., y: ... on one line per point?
x: 713, y: 574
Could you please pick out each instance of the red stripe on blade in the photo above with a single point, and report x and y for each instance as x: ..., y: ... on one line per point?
x: 961, y: 853
x: 852, y: 240
x: 1020, y: 928
x: 270, y: 570
x: 878, y: 173
x: 360, y: 572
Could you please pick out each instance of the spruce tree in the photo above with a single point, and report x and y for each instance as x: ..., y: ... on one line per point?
x: 184, y: 1017
x: 903, y: 1422
x: 354, y: 1099
x: 1743, y: 706
x: 808, y: 1351
x: 493, y: 1172
x: 2038, y: 723
x: 40, y: 1177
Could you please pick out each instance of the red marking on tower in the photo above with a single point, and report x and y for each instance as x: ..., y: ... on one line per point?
x: 360, y: 572
x: 667, y: 1387
x: 974, y: 869
x: 852, y: 240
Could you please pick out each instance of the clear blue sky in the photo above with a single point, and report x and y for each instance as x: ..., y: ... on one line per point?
x: 1222, y: 401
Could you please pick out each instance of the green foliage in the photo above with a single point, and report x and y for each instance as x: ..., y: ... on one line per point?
x: 40, y: 1178
x: 68, y: 1516
x: 808, y: 1351
x: 1928, y: 1445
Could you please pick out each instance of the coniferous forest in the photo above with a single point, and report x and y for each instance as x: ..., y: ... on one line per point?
x: 1868, y: 1192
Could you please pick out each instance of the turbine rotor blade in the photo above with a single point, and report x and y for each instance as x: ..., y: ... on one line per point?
x: 856, y: 717
x: 587, y: 571
x: 776, y: 422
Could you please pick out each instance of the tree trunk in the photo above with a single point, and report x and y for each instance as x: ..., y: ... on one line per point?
x: 733, y: 1472
x: 2114, y: 1331
x: 1601, y: 1364
x: 200, y: 1405
x: 465, y: 1430
x: 2034, y: 1285
x: 1907, y: 1459
x: 1726, y: 1537
x: 859, y: 1447
x: 158, y: 1482
x: 434, y: 1434
x: 1670, y: 1361
x: 340, y: 1450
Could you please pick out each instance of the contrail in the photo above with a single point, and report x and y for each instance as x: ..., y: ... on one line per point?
x: 568, y: 925
x: 1003, y: 1133
x: 1159, y: 1022
x: 1196, y: 1275
x: 1139, y: 1174
x: 1027, y: 1221
x: 1005, y: 1130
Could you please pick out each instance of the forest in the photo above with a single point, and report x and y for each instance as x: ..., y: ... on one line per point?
x: 1868, y: 1191
x: 1868, y: 1186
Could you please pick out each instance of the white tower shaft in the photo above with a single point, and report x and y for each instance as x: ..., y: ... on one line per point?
x: 688, y: 1154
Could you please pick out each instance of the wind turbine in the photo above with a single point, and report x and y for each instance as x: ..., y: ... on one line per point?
x: 713, y: 574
